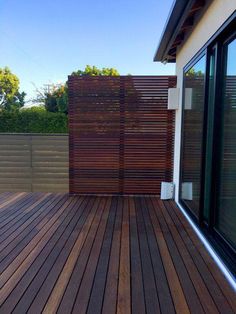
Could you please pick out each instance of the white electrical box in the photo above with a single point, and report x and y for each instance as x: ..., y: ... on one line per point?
x: 167, y: 190
x: 187, y: 191
x: 188, y: 100
x: 173, y: 98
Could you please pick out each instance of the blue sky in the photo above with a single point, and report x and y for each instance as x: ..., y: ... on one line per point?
x: 44, y: 41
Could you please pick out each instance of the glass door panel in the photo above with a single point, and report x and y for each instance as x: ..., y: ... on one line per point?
x: 193, y: 116
x: 226, y: 211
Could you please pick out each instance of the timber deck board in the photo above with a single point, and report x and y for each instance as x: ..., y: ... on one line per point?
x: 97, y: 254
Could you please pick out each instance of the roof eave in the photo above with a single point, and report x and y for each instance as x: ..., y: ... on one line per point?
x: 178, y: 14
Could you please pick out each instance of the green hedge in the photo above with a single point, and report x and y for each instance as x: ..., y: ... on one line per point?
x: 33, y: 121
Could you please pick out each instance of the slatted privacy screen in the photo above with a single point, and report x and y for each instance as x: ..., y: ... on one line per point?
x: 121, y: 134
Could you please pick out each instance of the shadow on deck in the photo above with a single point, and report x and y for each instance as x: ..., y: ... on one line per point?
x: 104, y: 255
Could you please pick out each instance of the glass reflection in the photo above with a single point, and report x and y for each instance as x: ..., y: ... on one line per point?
x: 226, y: 214
x: 193, y: 115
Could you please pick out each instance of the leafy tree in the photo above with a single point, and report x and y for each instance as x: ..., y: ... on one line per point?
x: 20, y: 99
x: 10, y: 96
x: 17, y: 102
x: 60, y: 96
x: 94, y: 71
x: 55, y: 97
x: 9, y: 84
x: 51, y: 103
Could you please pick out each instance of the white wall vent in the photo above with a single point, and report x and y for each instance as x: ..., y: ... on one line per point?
x: 167, y: 190
x: 173, y: 98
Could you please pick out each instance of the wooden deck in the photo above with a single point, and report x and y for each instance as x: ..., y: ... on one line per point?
x: 104, y: 255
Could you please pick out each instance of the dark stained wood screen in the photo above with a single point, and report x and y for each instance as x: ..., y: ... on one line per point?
x: 120, y: 134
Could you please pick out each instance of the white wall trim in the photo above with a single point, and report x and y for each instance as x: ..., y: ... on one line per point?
x: 227, y: 274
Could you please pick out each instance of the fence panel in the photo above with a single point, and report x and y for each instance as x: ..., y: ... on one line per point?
x: 34, y: 162
x: 120, y: 134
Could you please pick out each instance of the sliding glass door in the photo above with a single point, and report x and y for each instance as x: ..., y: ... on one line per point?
x: 208, y: 147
